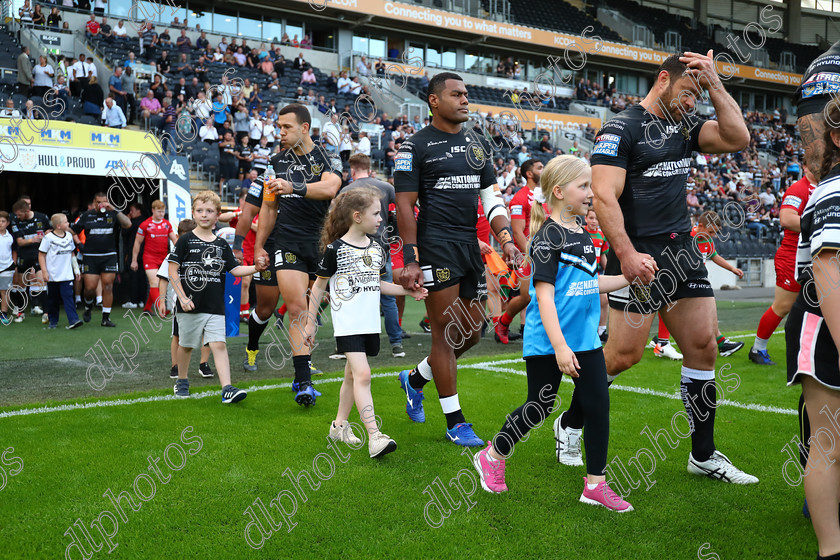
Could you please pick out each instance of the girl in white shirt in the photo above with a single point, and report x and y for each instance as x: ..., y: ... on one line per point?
x: 7, y: 266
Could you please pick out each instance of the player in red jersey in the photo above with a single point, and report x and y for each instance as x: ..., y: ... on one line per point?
x: 787, y: 288
x: 520, y: 219
x: 247, y: 253
x: 154, y: 234
x: 593, y: 228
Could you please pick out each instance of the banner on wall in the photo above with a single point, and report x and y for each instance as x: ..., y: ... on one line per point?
x: 528, y: 119
x: 74, y: 161
x: 30, y: 132
x: 176, y: 189
x: 406, y: 13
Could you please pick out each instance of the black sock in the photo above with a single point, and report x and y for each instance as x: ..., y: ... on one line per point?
x: 804, y: 432
x: 453, y: 418
x: 701, y: 415
x: 543, y: 381
x: 255, y: 331
x: 574, y: 416
x: 106, y: 315
x: 302, y: 371
x: 88, y: 304
x: 416, y: 380
x: 832, y: 557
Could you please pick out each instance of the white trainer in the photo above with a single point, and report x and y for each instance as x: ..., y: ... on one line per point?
x: 380, y: 445
x: 344, y: 433
x: 568, y: 444
x: 667, y: 350
x: 721, y: 468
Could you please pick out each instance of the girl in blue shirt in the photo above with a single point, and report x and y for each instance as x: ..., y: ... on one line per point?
x: 561, y: 330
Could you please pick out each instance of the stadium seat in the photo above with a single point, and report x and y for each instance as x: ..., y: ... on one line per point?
x: 230, y: 191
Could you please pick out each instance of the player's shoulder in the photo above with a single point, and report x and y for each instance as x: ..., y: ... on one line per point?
x: 625, y: 122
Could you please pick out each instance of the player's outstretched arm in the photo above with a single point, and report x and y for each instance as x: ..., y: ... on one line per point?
x: 412, y: 277
x: 790, y: 219
x: 268, y: 216
x: 315, y: 294
x: 245, y: 218
x: 135, y: 251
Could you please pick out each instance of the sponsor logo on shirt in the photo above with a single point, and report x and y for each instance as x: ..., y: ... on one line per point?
x: 459, y: 182
x: 583, y: 288
x: 791, y: 200
x: 101, y: 231
x: 668, y: 168
x: 607, y: 145
x: 403, y: 162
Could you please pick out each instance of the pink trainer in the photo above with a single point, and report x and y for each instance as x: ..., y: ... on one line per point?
x: 491, y: 472
x: 603, y: 495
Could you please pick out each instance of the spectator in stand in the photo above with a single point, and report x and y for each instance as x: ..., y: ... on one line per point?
x: 92, y: 97
x: 523, y: 154
x: 379, y: 67
x: 355, y: 87
x: 112, y: 114
x: 363, y: 145
x: 280, y: 65
x: 25, y: 13
x: 208, y: 132
x: 545, y: 145
x: 363, y: 67
x: 157, y: 88
x: 202, y: 107
x: 24, y: 68
x: 220, y: 113
x: 99, y: 7
x: 694, y: 206
x: 165, y: 40
x: 149, y: 40
x: 43, y: 75
x: 150, y: 105
x: 193, y: 88
x: 793, y: 169
x: 306, y: 43
x: 227, y: 159
x: 9, y: 110
x: 322, y: 105
x: 129, y: 84
x: 106, y: 31
x: 261, y: 154
x: 202, y: 42
x: 299, y: 63
x: 38, y: 19
x: 131, y: 60
x: 163, y: 63
x: 54, y: 19
x: 295, y: 42
x: 390, y: 152
x: 266, y: 66
x: 91, y: 27
x: 183, y: 42
x: 62, y: 92
x: 217, y: 56
x: 767, y: 198
x: 120, y: 32
x: 115, y: 86
x: 308, y: 77
x: 201, y: 69
x: 170, y: 118
x: 239, y: 57
x: 181, y: 88
x: 284, y: 40
x: 183, y: 66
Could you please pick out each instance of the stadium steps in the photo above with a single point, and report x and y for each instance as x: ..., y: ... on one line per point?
x: 577, y: 4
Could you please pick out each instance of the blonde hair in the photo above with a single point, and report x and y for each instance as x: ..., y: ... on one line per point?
x: 55, y: 219
x: 345, y: 205
x: 211, y: 197
x: 158, y: 204
x: 557, y: 172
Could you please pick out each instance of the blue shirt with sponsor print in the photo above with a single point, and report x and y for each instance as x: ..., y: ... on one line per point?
x: 567, y: 260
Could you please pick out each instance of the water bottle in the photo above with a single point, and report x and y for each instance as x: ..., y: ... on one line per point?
x: 268, y: 175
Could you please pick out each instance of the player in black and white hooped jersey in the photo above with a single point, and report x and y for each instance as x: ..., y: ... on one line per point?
x: 447, y: 170
x: 292, y: 211
x: 812, y: 331
x: 640, y: 162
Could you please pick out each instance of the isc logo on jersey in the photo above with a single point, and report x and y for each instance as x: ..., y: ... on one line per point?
x: 607, y: 144
x: 402, y: 162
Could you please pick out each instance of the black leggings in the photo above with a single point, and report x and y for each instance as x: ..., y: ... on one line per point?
x: 543, y: 381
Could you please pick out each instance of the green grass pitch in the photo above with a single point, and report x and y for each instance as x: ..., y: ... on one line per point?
x: 200, y: 472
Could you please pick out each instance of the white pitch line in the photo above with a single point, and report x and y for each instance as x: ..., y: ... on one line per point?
x: 487, y: 366
x: 753, y: 334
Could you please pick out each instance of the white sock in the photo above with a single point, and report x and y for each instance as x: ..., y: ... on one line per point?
x: 78, y: 299
x: 602, y: 329
x: 698, y: 374
x: 450, y: 404
x: 98, y: 300
x: 760, y: 343
x: 611, y: 378
x: 425, y: 370
x: 591, y: 486
x: 257, y: 318
x: 106, y: 310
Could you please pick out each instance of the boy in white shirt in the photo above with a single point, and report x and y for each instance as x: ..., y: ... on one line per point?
x: 59, y: 268
x: 7, y: 266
